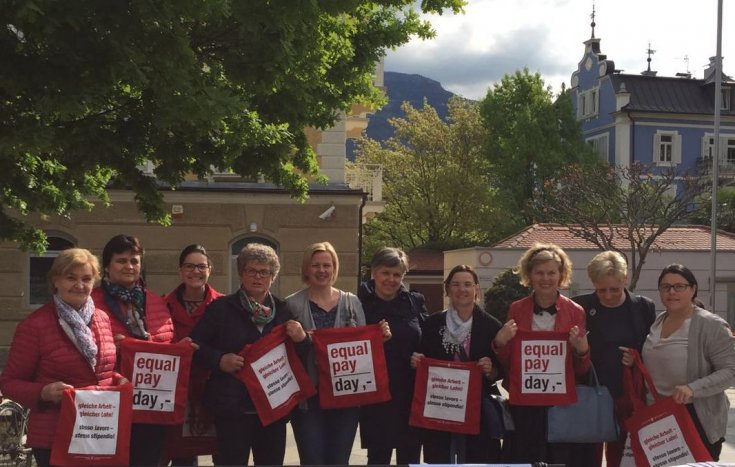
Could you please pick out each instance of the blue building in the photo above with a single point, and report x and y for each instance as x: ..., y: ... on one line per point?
x: 664, y: 121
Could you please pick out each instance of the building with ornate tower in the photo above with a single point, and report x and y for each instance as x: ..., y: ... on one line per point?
x: 651, y: 119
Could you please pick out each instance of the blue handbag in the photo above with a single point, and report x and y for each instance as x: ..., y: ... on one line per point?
x: 589, y: 420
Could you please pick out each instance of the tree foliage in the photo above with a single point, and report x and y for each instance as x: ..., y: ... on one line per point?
x: 725, y: 209
x: 505, y: 290
x: 90, y: 90
x: 531, y: 137
x: 625, y: 209
x: 436, y: 187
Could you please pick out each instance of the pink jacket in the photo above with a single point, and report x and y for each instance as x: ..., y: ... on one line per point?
x: 42, y: 353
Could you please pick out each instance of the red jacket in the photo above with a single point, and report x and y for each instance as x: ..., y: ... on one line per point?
x: 183, y: 321
x: 568, y: 315
x: 42, y: 353
x: 157, y: 317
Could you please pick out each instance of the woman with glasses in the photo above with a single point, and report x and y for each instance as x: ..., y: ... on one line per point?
x: 615, y: 318
x: 690, y: 355
x: 228, y: 325
x: 546, y: 269
x: 323, y: 436
x: 135, y: 313
x: 64, y: 344
x: 462, y: 332
x: 187, y: 304
x: 384, y: 426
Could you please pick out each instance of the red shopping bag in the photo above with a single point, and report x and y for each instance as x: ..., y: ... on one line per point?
x: 352, y: 368
x: 160, y: 377
x: 541, y: 369
x: 94, y: 426
x: 662, y: 433
x: 447, y: 396
x: 275, y: 378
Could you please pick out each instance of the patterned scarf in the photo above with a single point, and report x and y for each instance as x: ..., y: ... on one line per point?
x: 135, y: 296
x: 456, y: 332
x: 260, y: 313
x: 78, y: 323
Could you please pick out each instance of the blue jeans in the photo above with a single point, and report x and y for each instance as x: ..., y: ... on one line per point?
x: 324, y: 436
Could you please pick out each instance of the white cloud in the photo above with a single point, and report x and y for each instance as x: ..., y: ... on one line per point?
x: 497, y: 37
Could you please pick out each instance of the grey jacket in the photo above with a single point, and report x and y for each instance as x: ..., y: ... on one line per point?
x: 349, y: 314
x: 710, y: 369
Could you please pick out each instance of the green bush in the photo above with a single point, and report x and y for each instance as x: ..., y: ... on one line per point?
x: 505, y: 290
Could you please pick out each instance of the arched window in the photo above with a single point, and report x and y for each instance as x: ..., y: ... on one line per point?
x: 235, y: 249
x: 38, y: 267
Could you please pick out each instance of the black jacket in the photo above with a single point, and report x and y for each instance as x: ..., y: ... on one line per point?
x: 227, y: 327
x: 635, y: 322
x: 484, y: 329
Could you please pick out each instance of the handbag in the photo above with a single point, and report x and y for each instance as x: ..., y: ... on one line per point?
x: 589, y: 420
x: 496, y: 419
x: 663, y: 433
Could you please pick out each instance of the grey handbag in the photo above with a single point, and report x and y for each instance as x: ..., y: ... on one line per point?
x: 589, y: 420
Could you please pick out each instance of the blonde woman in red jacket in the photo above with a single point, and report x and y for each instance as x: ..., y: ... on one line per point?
x: 187, y: 303
x: 65, y: 343
x: 545, y: 268
x: 135, y: 313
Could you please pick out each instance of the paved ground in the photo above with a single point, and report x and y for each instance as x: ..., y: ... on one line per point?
x: 359, y: 456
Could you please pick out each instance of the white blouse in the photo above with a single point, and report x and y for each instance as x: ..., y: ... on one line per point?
x: 666, y: 358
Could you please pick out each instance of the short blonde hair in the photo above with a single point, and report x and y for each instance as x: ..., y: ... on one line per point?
x: 606, y: 264
x: 540, y: 253
x: 309, y: 254
x: 69, y: 259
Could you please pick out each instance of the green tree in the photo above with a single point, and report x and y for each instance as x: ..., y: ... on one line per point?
x: 625, y: 209
x: 531, y: 137
x: 90, y: 90
x: 505, y: 290
x: 725, y: 209
x: 436, y: 186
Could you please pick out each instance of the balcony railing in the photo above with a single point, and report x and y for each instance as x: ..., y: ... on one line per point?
x: 368, y: 177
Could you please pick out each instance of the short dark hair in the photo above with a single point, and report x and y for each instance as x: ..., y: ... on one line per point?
x: 193, y: 248
x: 120, y: 244
x: 684, y: 272
x: 457, y: 269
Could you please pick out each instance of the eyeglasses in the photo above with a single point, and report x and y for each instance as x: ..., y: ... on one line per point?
x: 190, y: 267
x: 457, y: 285
x: 612, y: 290
x: 663, y: 288
x: 250, y: 272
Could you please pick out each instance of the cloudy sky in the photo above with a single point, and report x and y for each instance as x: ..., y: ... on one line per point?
x: 473, y: 51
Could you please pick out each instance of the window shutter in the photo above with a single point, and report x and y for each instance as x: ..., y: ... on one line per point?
x: 676, y: 150
x: 657, y: 148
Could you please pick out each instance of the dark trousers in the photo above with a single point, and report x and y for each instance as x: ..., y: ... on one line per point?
x: 146, y: 444
x: 42, y: 456
x: 237, y: 436
x: 404, y: 455
x: 715, y: 449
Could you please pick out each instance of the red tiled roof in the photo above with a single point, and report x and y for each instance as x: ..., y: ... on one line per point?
x: 679, y: 238
x: 425, y: 259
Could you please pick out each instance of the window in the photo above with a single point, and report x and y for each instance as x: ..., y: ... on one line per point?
x: 235, y: 250
x: 666, y: 148
x: 727, y: 148
x: 39, y: 266
x: 600, y: 144
x: 726, y: 96
x: 588, y: 103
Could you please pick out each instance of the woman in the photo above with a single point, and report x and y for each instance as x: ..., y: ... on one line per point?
x: 461, y: 332
x: 228, y: 325
x: 545, y: 268
x: 384, y: 426
x: 64, y: 344
x: 187, y: 304
x: 615, y: 318
x: 690, y: 355
x: 323, y: 436
x: 135, y: 313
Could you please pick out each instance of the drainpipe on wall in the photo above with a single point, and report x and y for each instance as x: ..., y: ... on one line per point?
x: 359, y: 240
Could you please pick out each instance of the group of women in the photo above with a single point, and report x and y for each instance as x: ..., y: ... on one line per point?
x: 72, y: 342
